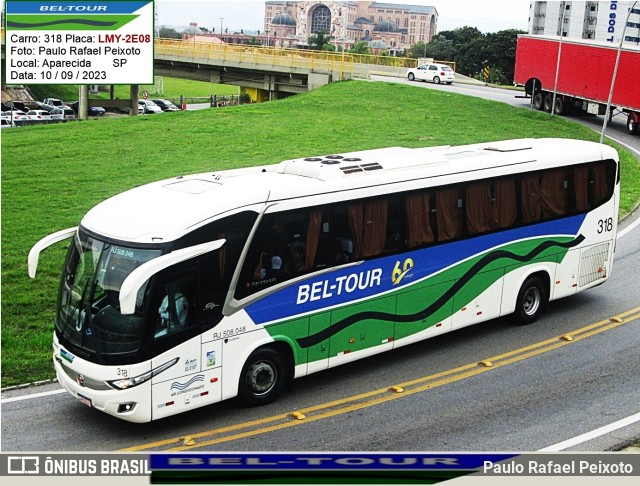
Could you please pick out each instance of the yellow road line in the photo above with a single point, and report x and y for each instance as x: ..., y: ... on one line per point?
x: 382, y: 395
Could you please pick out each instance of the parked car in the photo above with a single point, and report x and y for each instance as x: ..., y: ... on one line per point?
x: 55, y: 102
x: 6, y: 122
x: 436, y: 73
x: 39, y: 115
x: 125, y: 109
x: 149, y: 107
x: 62, y: 114
x: 93, y: 110
x: 15, y: 115
x: 166, y: 105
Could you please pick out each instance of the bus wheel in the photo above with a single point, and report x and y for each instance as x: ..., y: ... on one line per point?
x: 538, y: 101
x: 263, y: 377
x: 532, y: 299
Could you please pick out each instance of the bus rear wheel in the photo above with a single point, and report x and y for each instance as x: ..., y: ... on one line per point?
x: 263, y: 377
x: 532, y: 300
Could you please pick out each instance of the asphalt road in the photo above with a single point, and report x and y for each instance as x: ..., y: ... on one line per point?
x: 541, y: 390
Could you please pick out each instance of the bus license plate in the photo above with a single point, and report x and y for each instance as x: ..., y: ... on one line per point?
x: 85, y: 400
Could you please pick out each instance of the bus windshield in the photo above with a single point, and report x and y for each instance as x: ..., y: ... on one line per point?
x: 88, y: 309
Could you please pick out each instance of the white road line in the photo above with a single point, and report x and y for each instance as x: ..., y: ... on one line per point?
x: 631, y: 227
x: 33, y: 395
x: 628, y: 229
x: 593, y: 434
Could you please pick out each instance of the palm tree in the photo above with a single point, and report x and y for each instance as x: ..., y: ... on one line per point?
x: 319, y: 39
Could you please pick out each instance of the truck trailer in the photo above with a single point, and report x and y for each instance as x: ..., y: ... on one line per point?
x: 584, y: 76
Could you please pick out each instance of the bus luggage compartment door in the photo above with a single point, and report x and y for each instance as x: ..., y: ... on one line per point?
x: 362, y: 329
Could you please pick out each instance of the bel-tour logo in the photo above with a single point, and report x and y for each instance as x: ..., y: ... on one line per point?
x: 399, y: 272
x: 347, y: 284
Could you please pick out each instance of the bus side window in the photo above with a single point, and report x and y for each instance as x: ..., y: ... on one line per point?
x: 479, y: 207
x: 449, y: 212
x: 554, y: 189
x: 419, y: 230
x: 175, y: 312
x: 368, y: 225
x: 601, y: 183
x: 505, y: 207
x: 581, y: 187
x: 531, y: 198
x: 285, y: 246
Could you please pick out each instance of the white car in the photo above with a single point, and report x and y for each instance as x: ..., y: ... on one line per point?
x: 62, y: 114
x: 15, y: 115
x: 39, y: 115
x: 149, y: 106
x: 436, y: 73
x: 6, y: 122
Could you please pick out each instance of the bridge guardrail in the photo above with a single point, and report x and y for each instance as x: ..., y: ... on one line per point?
x: 344, y: 62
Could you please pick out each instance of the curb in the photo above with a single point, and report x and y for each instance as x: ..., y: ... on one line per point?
x: 29, y: 385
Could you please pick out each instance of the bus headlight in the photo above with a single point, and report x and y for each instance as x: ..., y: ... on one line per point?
x: 124, y: 383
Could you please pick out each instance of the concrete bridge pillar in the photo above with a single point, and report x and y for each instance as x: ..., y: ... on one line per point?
x: 133, y: 94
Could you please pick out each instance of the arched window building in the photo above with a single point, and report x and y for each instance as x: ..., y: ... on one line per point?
x: 291, y: 24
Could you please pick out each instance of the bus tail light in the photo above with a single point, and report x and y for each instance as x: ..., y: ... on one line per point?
x: 124, y: 383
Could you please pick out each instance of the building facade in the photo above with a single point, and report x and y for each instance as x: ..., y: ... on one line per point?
x: 393, y: 27
x: 602, y: 21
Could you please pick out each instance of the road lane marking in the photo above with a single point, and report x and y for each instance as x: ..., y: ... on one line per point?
x: 382, y: 395
x: 594, y: 434
x: 33, y: 395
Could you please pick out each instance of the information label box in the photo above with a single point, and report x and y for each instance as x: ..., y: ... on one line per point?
x: 85, y: 42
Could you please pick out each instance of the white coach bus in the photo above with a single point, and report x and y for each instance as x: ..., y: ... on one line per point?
x: 189, y: 291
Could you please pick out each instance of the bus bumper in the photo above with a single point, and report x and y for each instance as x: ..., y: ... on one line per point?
x: 77, y: 379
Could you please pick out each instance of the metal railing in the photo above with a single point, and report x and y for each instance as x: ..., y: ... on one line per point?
x: 343, y: 62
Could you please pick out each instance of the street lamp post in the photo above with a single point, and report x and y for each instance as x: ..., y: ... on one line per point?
x: 555, y: 83
x: 615, y: 74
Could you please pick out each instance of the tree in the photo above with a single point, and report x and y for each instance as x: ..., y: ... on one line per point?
x: 501, y: 49
x: 254, y: 41
x: 441, y: 49
x: 417, y: 50
x: 471, y: 50
x: 169, y: 33
x: 360, y: 47
x: 319, y: 39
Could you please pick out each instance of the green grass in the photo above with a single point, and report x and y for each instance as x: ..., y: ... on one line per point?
x: 173, y: 89
x: 51, y: 175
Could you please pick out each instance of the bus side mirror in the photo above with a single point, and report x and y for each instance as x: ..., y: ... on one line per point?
x: 44, y: 243
x: 136, y: 279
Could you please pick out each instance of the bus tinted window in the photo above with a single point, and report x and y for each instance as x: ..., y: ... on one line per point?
x: 297, y: 242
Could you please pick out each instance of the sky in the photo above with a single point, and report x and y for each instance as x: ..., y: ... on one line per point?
x: 486, y: 15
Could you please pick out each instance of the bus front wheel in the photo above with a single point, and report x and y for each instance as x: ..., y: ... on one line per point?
x: 532, y: 300
x: 263, y: 377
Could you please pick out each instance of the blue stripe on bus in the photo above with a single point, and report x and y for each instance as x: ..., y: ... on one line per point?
x: 375, y: 276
